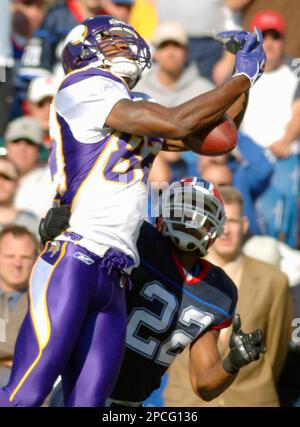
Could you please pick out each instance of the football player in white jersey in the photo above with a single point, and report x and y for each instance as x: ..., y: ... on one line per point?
x: 103, y: 147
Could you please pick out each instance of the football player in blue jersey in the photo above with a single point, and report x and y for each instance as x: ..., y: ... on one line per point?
x: 179, y: 300
x: 103, y: 146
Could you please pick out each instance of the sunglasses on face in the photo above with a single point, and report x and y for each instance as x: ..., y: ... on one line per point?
x: 275, y: 35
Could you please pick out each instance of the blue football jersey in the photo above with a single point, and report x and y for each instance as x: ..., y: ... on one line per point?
x: 168, y: 309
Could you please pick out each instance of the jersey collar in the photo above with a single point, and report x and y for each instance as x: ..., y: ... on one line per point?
x: 189, y: 279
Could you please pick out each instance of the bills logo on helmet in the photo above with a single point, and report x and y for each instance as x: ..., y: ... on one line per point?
x: 205, y: 184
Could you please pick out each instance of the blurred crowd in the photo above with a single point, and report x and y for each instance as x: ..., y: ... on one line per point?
x: 264, y: 168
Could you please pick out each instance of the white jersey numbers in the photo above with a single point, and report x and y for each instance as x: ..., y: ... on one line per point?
x: 144, y: 325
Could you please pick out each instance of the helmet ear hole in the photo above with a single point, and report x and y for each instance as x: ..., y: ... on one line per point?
x: 78, y: 60
x: 191, y: 246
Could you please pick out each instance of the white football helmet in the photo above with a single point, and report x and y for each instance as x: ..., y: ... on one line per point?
x: 192, y: 214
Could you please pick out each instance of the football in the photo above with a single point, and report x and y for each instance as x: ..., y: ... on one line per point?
x: 215, y: 140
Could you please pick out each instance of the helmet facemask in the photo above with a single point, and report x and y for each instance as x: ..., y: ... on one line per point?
x: 130, y: 56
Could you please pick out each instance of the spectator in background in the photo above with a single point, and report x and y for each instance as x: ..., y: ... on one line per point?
x: 252, y: 172
x: 217, y: 173
x: 201, y: 19
x: 27, y: 16
x: 18, y: 251
x: 119, y: 8
x: 175, y: 162
x: 6, y: 66
x: 42, y: 54
x: 204, y: 161
x: 264, y: 302
x: 9, y: 214
x: 272, y: 251
x: 171, y: 82
x: 41, y: 91
x: 24, y: 139
x: 279, y: 254
x: 272, y: 119
x: 290, y: 11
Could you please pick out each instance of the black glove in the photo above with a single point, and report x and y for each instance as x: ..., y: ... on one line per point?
x: 244, y: 348
x: 54, y: 223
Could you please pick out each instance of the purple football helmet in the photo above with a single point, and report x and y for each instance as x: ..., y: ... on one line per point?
x: 92, y: 42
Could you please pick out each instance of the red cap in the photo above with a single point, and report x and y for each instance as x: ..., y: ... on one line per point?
x: 268, y: 20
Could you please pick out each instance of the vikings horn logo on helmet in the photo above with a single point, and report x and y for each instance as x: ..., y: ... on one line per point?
x: 77, y: 35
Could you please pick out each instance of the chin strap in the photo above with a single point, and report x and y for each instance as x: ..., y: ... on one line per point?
x: 126, y: 69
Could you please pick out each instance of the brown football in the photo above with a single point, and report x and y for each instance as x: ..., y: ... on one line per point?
x: 215, y: 140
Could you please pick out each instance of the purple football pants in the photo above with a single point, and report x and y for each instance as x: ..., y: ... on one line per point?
x: 75, y: 327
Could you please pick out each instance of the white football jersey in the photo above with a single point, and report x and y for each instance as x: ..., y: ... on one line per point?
x: 101, y: 173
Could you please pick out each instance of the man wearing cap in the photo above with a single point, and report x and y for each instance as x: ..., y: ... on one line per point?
x: 24, y: 139
x: 201, y: 20
x: 272, y: 118
x: 9, y: 214
x: 290, y: 11
x: 41, y: 91
x: 169, y: 81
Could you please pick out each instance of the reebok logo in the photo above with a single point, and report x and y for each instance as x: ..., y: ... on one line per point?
x: 84, y: 258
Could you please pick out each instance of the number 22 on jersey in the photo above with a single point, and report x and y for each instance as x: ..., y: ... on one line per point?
x: 190, y: 323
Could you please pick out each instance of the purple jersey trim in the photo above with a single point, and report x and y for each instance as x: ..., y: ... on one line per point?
x: 79, y: 159
x: 52, y: 159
